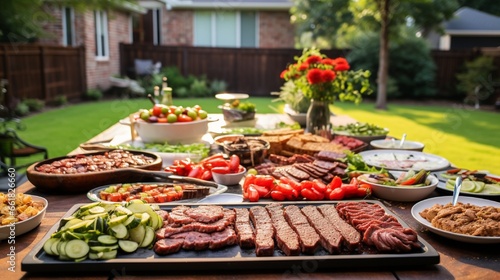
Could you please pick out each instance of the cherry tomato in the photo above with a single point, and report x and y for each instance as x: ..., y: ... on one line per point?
x: 263, y: 192
x: 287, y: 190
x: 363, y: 192
x: 115, y: 197
x: 234, y: 163
x: 290, y: 182
x: 156, y: 110
x: 249, y: 179
x: 160, y: 198
x: 319, y: 186
x: 218, y: 162
x: 336, y: 182
x: 264, y: 181
x: 253, y: 194
x: 277, y: 195
x: 306, y: 185
x: 184, y: 118
x: 336, y: 194
x: 196, y: 172
x: 308, y: 194
x: 349, y: 190
x: 162, y: 120
x: 207, y: 175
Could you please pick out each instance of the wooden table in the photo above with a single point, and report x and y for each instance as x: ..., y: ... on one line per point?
x: 457, y: 260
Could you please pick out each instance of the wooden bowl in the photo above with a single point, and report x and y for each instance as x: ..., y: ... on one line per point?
x: 83, y: 182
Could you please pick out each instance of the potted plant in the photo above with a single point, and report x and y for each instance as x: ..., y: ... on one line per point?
x: 296, y: 104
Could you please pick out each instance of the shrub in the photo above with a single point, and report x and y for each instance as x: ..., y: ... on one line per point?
x: 93, y: 94
x: 217, y: 86
x: 34, y: 105
x: 199, y: 88
x: 475, y: 80
x: 413, y: 74
x: 60, y: 100
x: 22, y: 109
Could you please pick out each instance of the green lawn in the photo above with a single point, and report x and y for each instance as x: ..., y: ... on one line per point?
x: 468, y: 138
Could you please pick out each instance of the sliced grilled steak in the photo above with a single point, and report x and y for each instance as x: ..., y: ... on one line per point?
x: 246, y: 236
x: 331, y: 239
x: 205, y: 213
x: 351, y: 236
x: 177, y: 216
x: 391, y: 239
x: 311, y: 171
x: 222, y: 239
x: 197, y: 241
x: 264, y: 237
x: 325, y: 164
x: 286, y: 239
x: 220, y: 225
x: 330, y: 156
x: 309, y: 239
x: 297, y: 173
x: 168, y: 246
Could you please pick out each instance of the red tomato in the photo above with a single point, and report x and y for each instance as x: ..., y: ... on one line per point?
x: 264, y: 181
x: 160, y: 198
x: 253, y: 194
x: 319, y: 186
x: 234, y: 163
x: 153, y: 192
x: 221, y: 170
x: 336, y: 194
x: 207, y: 175
x: 184, y: 118
x: 156, y: 110
x: 218, y: 162
x: 287, y: 190
x: 277, y: 195
x: 306, y: 185
x: 149, y: 199
x: 363, y: 192
x: 249, y: 179
x: 115, y: 197
x: 263, y: 192
x: 349, y: 190
x: 146, y: 188
x: 308, y: 194
x: 290, y: 182
x: 196, y: 172
x: 336, y: 182
x: 162, y: 120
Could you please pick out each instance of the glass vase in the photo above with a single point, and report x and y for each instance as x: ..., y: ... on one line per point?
x: 318, y: 117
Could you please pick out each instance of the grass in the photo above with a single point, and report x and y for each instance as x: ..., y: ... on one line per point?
x: 467, y: 138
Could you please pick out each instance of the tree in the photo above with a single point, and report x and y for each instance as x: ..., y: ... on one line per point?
x: 22, y: 20
x: 335, y: 19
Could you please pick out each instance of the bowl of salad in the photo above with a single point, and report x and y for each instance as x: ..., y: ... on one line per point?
x: 401, y: 186
x: 365, y: 132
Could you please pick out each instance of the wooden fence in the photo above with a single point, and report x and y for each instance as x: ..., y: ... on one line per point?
x: 256, y: 71
x: 43, y: 72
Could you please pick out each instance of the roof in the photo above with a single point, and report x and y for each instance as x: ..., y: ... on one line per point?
x: 231, y: 4
x: 468, y: 21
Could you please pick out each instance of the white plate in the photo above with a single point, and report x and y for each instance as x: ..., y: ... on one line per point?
x: 23, y: 227
x: 404, y: 160
x: 424, y: 204
x: 222, y: 198
x: 231, y: 96
x: 442, y: 185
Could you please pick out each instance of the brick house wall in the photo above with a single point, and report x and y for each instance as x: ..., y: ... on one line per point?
x: 275, y: 29
x: 97, y: 71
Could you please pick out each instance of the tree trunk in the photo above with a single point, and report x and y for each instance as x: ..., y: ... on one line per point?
x: 383, y: 68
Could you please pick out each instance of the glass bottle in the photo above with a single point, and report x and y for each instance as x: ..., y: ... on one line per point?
x: 167, y: 93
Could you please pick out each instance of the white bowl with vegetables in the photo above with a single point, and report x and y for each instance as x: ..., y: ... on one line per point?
x: 403, y: 186
x: 365, y: 132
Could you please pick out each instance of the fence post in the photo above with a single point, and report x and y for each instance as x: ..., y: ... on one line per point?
x: 43, y: 73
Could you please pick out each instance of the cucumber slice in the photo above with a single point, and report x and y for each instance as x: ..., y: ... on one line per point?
x: 107, y: 239
x: 491, y: 189
x: 53, y: 247
x: 145, y: 218
x: 109, y: 255
x: 138, y: 233
x: 139, y: 208
x: 94, y: 216
x: 117, y: 220
x: 97, y: 210
x: 128, y: 245
x: 88, y: 206
x: 61, y: 248
x: 119, y: 231
x: 97, y: 249
x: 148, y: 238
x: 132, y: 221
x: 77, y: 249
x: 81, y: 226
x: 47, y: 245
x: 70, y: 223
x: 479, y: 186
x: 468, y: 186
x: 95, y: 255
x: 120, y: 210
x: 65, y: 220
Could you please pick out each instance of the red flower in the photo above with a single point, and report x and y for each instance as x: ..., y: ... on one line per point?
x: 314, y: 76
x: 341, y: 64
x: 303, y: 66
x: 283, y: 73
x: 328, y: 75
x: 313, y: 59
x: 328, y: 61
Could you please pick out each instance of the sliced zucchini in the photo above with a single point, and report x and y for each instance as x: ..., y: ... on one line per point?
x: 107, y: 239
x: 103, y: 248
x: 128, y: 245
x: 138, y: 233
x: 149, y: 237
x: 117, y: 220
x: 76, y: 249
x: 119, y: 231
x: 95, y: 255
x: 53, y: 247
x: 132, y: 221
x: 109, y: 255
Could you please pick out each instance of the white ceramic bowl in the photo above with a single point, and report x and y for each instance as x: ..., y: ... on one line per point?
x: 26, y: 225
x: 172, y: 133
x: 402, y: 193
x: 230, y: 178
x: 389, y: 144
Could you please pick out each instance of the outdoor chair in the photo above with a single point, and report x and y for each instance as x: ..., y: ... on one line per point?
x: 13, y: 147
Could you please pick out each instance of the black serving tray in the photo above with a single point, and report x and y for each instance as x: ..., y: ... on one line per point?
x: 230, y: 258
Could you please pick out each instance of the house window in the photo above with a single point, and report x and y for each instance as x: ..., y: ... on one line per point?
x: 101, y: 35
x: 225, y: 29
x: 156, y: 27
x: 68, y: 24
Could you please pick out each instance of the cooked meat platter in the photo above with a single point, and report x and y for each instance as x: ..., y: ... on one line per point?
x: 191, y: 245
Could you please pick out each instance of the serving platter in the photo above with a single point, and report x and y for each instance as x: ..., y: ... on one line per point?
x: 229, y: 258
x: 214, y: 189
x: 404, y: 160
x: 442, y: 186
x: 424, y: 204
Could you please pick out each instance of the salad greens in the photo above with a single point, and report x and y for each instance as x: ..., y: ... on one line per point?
x: 357, y: 166
x: 195, y: 148
x: 359, y: 128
